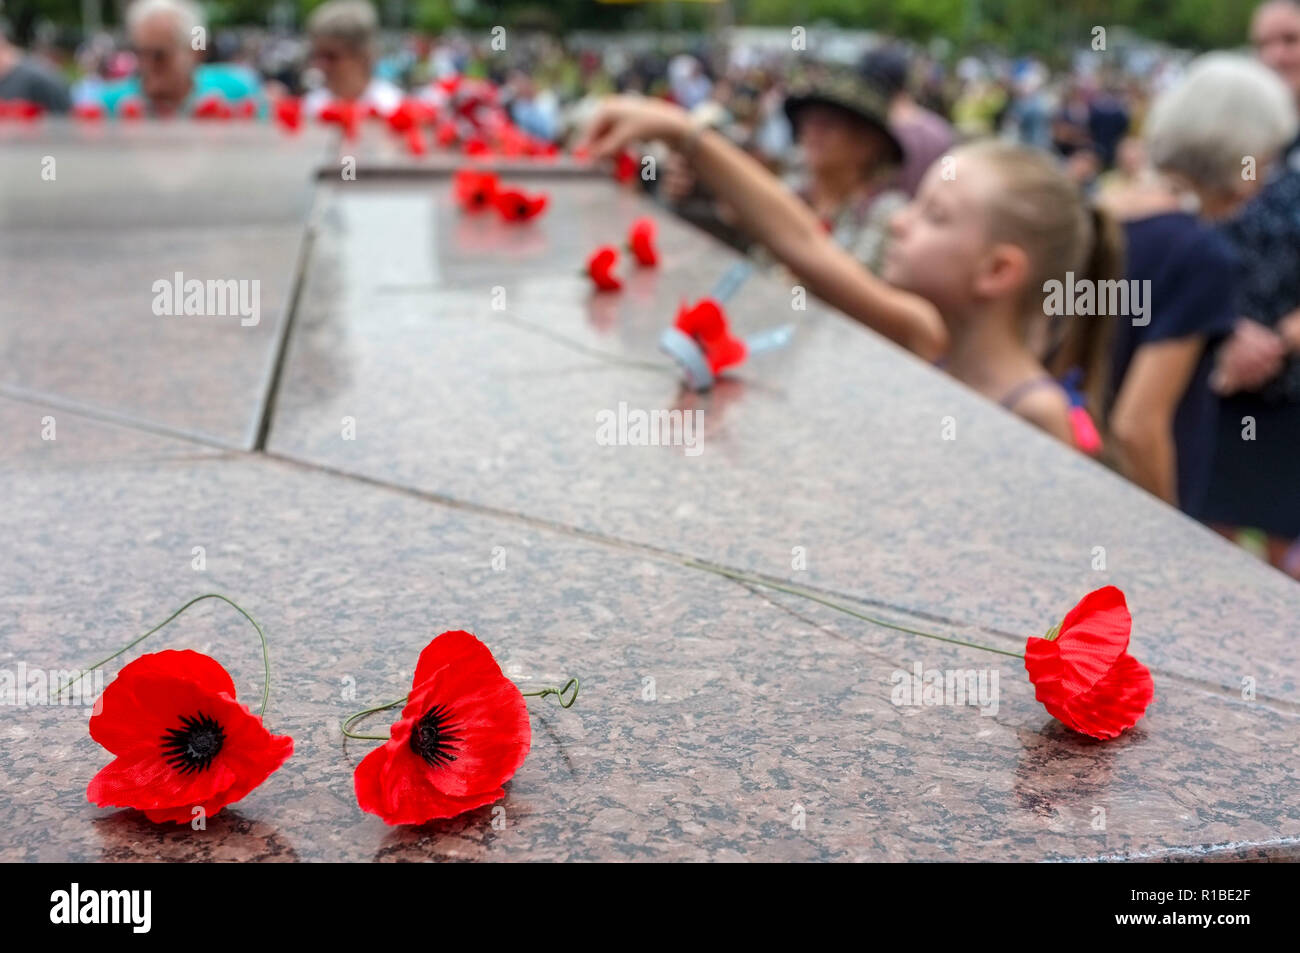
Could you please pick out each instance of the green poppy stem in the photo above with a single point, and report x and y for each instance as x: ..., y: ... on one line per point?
x: 266, y: 652
x: 822, y: 600
x: 353, y: 718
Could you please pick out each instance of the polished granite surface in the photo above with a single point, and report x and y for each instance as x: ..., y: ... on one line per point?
x: 716, y: 721
x: 764, y: 713
x: 835, y: 445
x: 130, y: 205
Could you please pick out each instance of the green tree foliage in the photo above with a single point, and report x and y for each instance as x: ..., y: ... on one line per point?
x: 1012, y: 25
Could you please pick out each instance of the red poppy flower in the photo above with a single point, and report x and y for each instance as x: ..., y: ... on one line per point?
x: 707, y: 324
x: 511, y: 141
x: 89, y: 112
x: 446, y: 133
x: 625, y: 167
x: 345, y: 115
x: 130, y: 108
x: 517, y: 206
x: 463, y: 733
x: 600, y: 266
x: 212, y: 107
x: 409, y: 114
x: 1082, y: 672
x: 182, y: 740
x: 474, y: 190
x: 20, y: 109
x: 415, y: 143
x: 288, y: 113
x: 476, y: 146
x: 641, y: 241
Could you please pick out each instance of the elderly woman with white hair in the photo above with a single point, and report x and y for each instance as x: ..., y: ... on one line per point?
x: 1256, y: 483
x: 169, y: 39
x: 1211, y: 139
x: 343, y: 40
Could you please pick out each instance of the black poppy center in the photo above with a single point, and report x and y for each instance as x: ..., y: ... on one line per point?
x: 433, y: 738
x: 192, y: 747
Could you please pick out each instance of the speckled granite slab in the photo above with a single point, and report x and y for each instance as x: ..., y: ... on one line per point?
x: 835, y: 447
x: 131, y: 205
x: 714, y: 722
x: 122, y: 176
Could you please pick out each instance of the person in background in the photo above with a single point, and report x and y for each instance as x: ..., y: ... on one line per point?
x: 1108, y: 122
x: 533, y: 109
x: 1163, y: 416
x: 23, y: 78
x: 167, y: 37
x: 1070, y: 125
x: 924, y: 135
x: 1256, y: 483
x: 850, y: 162
x: 1129, y: 172
x: 1084, y: 166
x: 342, y: 34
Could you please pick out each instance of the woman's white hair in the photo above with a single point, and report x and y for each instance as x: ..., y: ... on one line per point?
x: 1226, y: 108
x: 185, y: 14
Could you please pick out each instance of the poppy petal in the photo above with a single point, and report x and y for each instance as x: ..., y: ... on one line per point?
x: 151, y: 693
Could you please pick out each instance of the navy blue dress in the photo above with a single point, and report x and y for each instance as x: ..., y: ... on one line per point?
x: 1257, y: 482
x: 1193, y: 275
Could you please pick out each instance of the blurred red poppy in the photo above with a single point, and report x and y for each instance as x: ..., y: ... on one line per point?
x: 462, y: 734
x: 212, y: 107
x: 600, y: 267
x: 181, y: 739
x: 345, y: 115
x: 625, y: 167
x: 641, y: 242
x: 518, y: 206
x: 706, y: 322
x: 409, y: 114
x: 446, y: 133
x: 415, y: 143
x: 88, y: 111
x: 1082, y: 672
x: 288, y: 113
x: 474, y: 190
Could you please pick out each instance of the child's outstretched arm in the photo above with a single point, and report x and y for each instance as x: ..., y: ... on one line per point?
x: 774, y: 216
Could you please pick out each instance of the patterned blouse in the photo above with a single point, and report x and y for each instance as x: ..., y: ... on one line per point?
x: 1267, y: 234
x: 860, y: 227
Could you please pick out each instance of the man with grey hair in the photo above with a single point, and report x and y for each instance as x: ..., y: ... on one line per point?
x: 169, y: 39
x: 343, y: 48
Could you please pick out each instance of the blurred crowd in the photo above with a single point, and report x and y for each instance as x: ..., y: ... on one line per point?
x: 1141, y: 163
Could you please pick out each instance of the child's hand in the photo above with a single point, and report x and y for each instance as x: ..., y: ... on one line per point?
x: 622, y: 120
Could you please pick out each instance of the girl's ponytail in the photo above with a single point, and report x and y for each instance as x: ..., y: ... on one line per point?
x: 1083, y: 344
